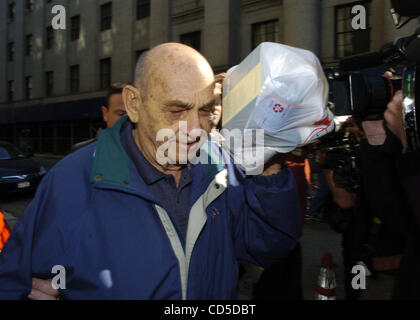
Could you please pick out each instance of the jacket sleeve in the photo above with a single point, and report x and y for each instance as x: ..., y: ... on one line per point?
x: 18, y: 262
x: 266, y: 217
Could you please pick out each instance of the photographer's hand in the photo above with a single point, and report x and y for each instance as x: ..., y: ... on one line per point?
x: 374, y: 132
x: 393, y: 116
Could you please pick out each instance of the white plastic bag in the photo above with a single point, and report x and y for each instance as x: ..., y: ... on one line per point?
x: 282, y: 90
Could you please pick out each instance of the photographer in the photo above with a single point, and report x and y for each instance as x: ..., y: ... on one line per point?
x: 365, y: 212
x: 391, y: 139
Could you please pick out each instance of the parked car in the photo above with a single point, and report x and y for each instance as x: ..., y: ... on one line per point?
x: 18, y: 171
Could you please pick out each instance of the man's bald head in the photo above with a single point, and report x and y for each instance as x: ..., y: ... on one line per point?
x: 170, y: 61
x: 175, y: 97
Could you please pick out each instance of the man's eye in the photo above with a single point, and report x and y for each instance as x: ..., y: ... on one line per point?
x: 177, y: 112
x: 206, y: 111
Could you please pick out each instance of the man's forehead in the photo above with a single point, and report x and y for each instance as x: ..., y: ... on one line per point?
x: 189, y: 93
x: 116, y: 101
x: 180, y: 85
x: 177, y: 67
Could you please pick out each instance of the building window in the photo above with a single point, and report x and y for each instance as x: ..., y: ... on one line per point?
x: 12, y: 11
x: 49, y: 83
x: 28, y: 88
x: 74, y: 79
x: 105, y: 73
x: 75, y: 28
x: 29, y: 44
x: 106, y: 16
x: 265, y: 32
x: 192, y: 39
x: 11, y: 55
x: 143, y: 9
x: 347, y: 40
x: 29, y: 5
x: 11, y: 91
x: 50, y: 37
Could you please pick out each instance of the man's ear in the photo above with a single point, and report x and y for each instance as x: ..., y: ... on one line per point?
x: 132, y: 101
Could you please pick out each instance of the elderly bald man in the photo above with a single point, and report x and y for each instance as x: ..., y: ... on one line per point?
x: 114, y: 221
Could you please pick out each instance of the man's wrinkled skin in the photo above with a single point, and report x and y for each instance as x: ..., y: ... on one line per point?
x: 180, y: 86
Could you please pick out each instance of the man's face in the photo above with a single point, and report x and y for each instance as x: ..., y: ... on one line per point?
x: 182, y: 94
x: 115, y: 110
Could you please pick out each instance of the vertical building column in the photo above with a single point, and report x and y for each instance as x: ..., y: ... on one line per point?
x: 122, y: 69
x: 216, y: 32
x: 222, y: 33
x: 89, y: 33
x: 41, y: 19
x: 302, y: 24
x: 159, y: 21
x: 4, y: 43
x: 377, y: 20
x: 20, y: 50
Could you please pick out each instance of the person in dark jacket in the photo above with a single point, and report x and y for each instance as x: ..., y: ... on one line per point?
x: 125, y: 225
x: 407, y: 284
x: 403, y: 195
x: 368, y: 216
x: 112, y: 110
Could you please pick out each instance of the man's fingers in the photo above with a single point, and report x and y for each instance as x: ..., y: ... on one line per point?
x: 388, y: 74
x: 394, y: 108
x: 38, y: 295
x: 398, y: 98
x: 220, y: 77
x: 44, y: 286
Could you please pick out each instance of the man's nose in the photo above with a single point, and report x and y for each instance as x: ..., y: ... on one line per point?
x: 193, y: 121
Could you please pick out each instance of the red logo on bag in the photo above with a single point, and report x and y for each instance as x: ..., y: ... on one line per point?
x: 325, y: 122
x: 278, y: 108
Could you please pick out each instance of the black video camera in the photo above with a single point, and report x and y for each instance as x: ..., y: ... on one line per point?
x: 359, y: 88
x: 341, y: 154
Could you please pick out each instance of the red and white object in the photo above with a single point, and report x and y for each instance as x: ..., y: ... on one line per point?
x: 325, y: 288
x: 282, y: 90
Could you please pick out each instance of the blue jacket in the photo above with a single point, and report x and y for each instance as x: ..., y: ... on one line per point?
x: 94, y: 215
